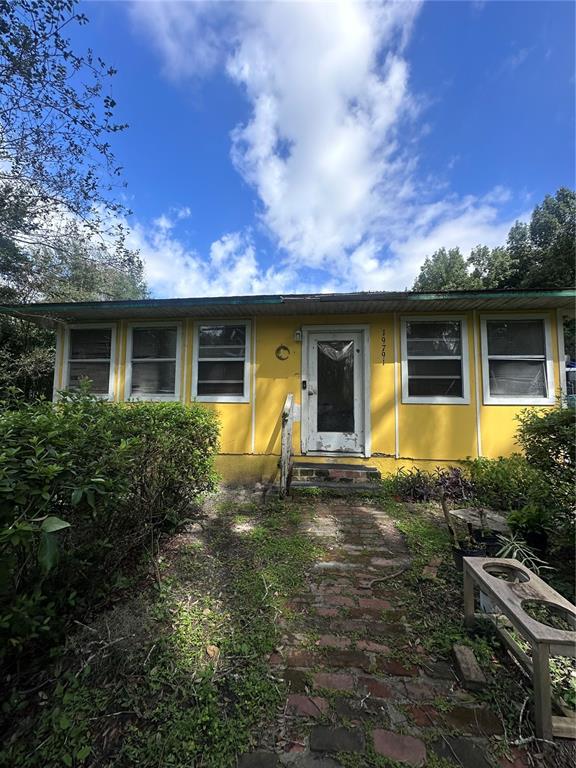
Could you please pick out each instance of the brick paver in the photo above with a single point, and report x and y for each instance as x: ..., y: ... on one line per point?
x: 355, y: 678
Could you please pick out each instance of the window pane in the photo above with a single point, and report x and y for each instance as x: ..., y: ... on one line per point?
x: 220, y: 371
x: 516, y: 337
x: 435, y: 387
x: 216, y: 351
x: 225, y: 388
x: 153, y: 342
x: 90, y: 343
x: 433, y: 347
x: 153, y: 378
x: 98, y: 373
x: 433, y: 338
x: 434, y: 368
x: 513, y: 378
x: 335, y: 386
x: 222, y: 336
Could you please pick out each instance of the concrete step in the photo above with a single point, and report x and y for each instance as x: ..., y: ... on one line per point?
x: 342, y: 474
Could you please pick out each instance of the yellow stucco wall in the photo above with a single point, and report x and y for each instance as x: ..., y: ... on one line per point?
x: 428, y: 434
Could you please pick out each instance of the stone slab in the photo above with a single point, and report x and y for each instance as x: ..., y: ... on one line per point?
x: 469, y: 671
x: 328, y: 739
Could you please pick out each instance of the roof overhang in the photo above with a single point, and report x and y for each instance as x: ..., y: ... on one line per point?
x: 293, y: 304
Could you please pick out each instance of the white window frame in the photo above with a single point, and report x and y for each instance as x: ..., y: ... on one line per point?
x: 464, y: 360
x: 245, y: 398
x: 66, y: 360
x: 489, y: 399
x: 129, y: 345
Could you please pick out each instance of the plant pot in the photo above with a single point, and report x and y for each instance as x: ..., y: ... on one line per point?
x: 471, y: 549
x: 490, y: 541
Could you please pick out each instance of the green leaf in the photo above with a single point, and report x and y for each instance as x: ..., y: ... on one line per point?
x: 76, y: 496
x: 83, y: 753
x: 47, y: 552
x: 67, y: 760
x: 52, y: 524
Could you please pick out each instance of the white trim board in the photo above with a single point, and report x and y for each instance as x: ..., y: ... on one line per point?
x: 489, y: 399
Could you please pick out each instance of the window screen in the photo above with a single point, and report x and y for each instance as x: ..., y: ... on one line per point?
x: 434, y: 358
x: 89, y: 355
x: 153, y: 362
x: 221, y: 360
x: 516, y: 358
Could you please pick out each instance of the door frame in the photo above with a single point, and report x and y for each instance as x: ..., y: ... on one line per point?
x: 364, y: 330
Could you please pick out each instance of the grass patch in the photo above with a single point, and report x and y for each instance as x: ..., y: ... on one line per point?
x: 177, y: 676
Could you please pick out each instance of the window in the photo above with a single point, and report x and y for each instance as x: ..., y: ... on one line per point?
x: 89, y: 356
x: 435, y: 361
x: 153, y: 370
x: 517, y: 366
x: 221, y: 352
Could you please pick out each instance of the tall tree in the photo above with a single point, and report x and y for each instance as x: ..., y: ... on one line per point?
x: 541, y: 254
x: 59, y: 233
x: 56, y: 116
x: 491, y: 268
x: 445, y: 270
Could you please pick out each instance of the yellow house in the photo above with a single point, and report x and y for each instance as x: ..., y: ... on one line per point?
x: 396, y: 378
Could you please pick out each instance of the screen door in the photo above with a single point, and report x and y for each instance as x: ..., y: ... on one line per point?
x: 334, y: 392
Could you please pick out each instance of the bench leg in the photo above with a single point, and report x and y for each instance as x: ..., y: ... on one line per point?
x: 468, y: 599
x: 541, y: 683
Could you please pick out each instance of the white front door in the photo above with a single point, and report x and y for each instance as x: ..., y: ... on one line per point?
x: 333, y: 392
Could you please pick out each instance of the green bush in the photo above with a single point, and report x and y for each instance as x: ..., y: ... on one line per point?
x: 548, y: 439
x: 505, y: 483
x: 84, y: 486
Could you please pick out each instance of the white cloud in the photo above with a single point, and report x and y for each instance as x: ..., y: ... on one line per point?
x: 230, y: 269
x: 328, y: 148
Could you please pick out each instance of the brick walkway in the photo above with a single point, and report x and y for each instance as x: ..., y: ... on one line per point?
x: 345, y: 656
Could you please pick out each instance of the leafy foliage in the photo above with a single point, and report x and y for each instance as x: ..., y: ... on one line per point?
x: 547, y: 439
x: 61, y: 235
x: 445, y: 270
x: 541, y: 254
x: 84, y: 485
x: 180, y: 672
x: 418, y: 485
x: 56, y: 114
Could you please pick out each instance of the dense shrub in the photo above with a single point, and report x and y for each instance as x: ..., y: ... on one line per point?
x: 84, y: 485
x: 418, y: 485
x: 548, y: 439
x: 504, y: 483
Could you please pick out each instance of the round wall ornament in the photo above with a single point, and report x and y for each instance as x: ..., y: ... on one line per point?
x: 282, y: 352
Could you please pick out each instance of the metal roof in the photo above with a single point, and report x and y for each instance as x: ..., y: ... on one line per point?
x: 295, y: 304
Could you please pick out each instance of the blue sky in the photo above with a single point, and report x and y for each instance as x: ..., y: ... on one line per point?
x: 293, y: 146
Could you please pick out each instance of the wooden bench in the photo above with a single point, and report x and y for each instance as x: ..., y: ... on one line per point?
x: 508, y: 597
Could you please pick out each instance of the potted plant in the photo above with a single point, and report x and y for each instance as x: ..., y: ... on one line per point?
x: 486, y: 536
